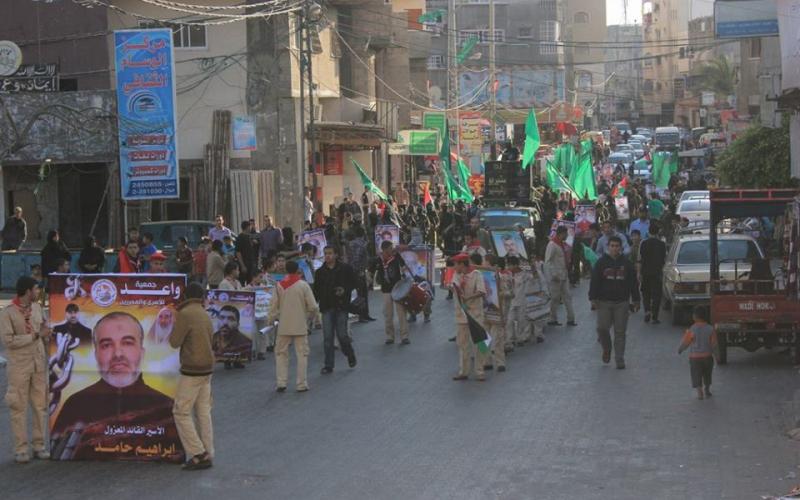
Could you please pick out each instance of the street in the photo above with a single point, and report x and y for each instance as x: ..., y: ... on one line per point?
x: 557, y: 425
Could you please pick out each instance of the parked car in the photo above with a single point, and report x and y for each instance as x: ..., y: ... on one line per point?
x: 166, y: 233
x: 509, y: 218
x: 640, y: 138
x: 695, y: 209
x: 641, y: 170
x: 694, y: 195
x: 667, y: 137
x: 686, y: 272
x: 623, y: 147
x: 625, y: 157
x: 638, y: 149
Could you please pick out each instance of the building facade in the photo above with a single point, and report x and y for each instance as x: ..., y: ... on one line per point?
x: 623, y: 70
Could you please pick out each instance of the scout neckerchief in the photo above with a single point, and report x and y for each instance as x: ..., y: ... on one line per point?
x: 289, y: 281
x: 26, y: 313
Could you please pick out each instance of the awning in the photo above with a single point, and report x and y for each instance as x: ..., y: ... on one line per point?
x: 349, y: 134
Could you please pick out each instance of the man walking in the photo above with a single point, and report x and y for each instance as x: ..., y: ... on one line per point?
x: 608, y: 233
x: 246, y: 254
x: 292, y: 305
x: 219, y: 231
x: 652, y: 254
x: 389, y: 272
x: 555, y: 263
x: 23, y: 328
x: 334, y: 282
x: 614, y: 292
x: 192, y: 409
x: 15, y: 232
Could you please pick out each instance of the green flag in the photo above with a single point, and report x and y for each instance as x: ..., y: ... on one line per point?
x: 463, y: 173
x: 582, y: 177
x: 589, y: 255
x: 368, y: 182
x: 532, y: 140
x: 466, y: 49
x: 564, y: 156
x: 454, y: 190
x: 556, y: 181
x: 672, y: 163
x: 661, y: 172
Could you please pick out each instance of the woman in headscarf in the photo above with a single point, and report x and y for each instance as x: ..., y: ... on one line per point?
x: 92, y: 259
x: 53, y: 250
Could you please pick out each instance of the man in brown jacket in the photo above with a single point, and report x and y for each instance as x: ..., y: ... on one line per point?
x: 192, y: 334
x: 22, y: 328
x: 292, y: 305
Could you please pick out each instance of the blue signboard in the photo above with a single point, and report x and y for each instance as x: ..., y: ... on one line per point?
x: 244, y: 134
x: 148, y: 148
x: 745, y: 18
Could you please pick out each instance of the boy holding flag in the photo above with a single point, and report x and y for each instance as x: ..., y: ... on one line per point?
x: 469, y: 290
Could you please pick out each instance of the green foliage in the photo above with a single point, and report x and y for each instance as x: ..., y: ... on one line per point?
x: 759, y: 158
x: 716, y: 75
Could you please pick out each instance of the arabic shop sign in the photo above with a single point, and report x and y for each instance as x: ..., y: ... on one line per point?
x: 31, y: 78
x: 416, y: 143
x: 146, y: 112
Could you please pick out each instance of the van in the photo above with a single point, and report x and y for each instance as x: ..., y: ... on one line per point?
x: 667, y: 137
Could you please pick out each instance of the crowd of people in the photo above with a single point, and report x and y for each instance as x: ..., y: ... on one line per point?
x: 310, y: 292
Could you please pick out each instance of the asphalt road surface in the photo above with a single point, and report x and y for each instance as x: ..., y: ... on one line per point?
x: 557, y: 425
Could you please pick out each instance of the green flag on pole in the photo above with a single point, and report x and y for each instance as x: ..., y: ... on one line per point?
x: 564, y: 156
x: 454, y: 190
x: 661, y: 170
x: 365, y: 179
x: 556, y: 181
x: 466, y: 49
x: 582, y: 177
x: 672, y: 163
x: 532, y: 140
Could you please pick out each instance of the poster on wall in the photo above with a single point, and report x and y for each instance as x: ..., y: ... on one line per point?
x: 233, y: 315
x: 386, y: 232
x: 148, y: 149
x: 113, y: 374
x: 244, y: 133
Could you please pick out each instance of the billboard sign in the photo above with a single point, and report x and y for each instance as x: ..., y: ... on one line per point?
x: 745, y: 18
x: 148, y: 150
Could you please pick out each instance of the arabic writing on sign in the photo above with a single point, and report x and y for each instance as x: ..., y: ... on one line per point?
x: 142, y: 451
x: 12, y: 84
x: 135, y: 430
x: 146, y: 44
x: 152, y: 62
x: 154, y: 80
x: 172, y: 290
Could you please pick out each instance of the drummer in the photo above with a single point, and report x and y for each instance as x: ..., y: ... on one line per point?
x: 389, y: 266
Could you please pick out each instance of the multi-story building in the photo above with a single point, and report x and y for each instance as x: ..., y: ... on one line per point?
x: 623, y: 70
x: 666, y: 61
x: 585, y: 31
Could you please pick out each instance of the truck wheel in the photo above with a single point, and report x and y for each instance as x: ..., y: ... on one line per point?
x: 722, y: 344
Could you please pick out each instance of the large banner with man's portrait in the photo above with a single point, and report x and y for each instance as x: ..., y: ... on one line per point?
x: 113, y: 374
x: 233, y: 315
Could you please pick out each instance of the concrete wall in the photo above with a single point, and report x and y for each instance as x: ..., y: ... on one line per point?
x: 220, y: 69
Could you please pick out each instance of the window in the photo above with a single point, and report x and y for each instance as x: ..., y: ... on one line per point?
x: 698, y: 252
x: 549, y: 31
x: 678, y: 88
x: 648, y: 61
x: 682, y: 53
x: 525, y: 32
x: 755, y: 48
x: 548, y: 4
x: 580, y: 18
x: 184, y: 36
x: 483, y: 36
x: 436, y: 62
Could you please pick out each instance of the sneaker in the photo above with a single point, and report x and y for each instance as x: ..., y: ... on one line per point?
x: 302, y: 389
x: 501, y: 369
x: 325, y: 371
x: 620, y: 365
x: 41, y: 455
x: 22, y: 458
x: 427, y: 318
x: 572, y: 323
x: 656, y: 321
x: 539, y: 340
x: 553, y: 323
x: 451, y: 339
x: 460, y: 377
x: 708, y: 392
x: 405, y: 342
x: 260, y: 356
x: 481, y: 378
x: 389, y: 341
x: 351, y: 360
x: 606, y: 357
x: 647, y: 317
x: 280, y: 388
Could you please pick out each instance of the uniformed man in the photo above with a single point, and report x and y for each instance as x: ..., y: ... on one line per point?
x: 470, y: 291
x: 23, y: 329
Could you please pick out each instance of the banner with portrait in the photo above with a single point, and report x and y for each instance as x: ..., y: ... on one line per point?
x: 570, y: 225
x: 113, y: 374
x: 233, y: 316
x: 491, y: 301
x: 585, y: 216
x: 509, y: 243
x: 621, y: 204
x: 386, y: 232
x: 317, y: 238
x: 419, y: 261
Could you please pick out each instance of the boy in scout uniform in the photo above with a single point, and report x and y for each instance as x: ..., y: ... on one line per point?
x: 469, y: 290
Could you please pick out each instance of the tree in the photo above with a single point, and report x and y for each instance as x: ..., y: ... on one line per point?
x: 716, y: 75
x: 759, y: 158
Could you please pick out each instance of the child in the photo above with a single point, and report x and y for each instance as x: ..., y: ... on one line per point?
x: 701, y: 340
x: 183, y: 256
x: 228, y: 248
x: 148, y: 249
x: 497, y: 327
x: 200, y: 256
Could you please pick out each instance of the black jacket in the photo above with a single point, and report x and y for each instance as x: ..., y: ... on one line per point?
x: 388, y: 275
x: 326, y: 280
x: 652, y: 254
x: 614, y: 280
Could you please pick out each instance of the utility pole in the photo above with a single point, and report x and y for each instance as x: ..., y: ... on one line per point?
x: 311, y: 142
x: 301, y: 20
x: 492, y: 80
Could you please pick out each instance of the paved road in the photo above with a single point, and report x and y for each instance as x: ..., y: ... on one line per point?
x: 557, y: 425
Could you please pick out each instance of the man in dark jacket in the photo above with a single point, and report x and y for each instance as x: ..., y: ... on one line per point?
x: 614, y: 292
x: 652, y: 254
x: 334, y: 283
x: 15, y: 232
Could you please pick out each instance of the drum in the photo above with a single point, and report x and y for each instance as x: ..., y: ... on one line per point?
x: 412, y: 296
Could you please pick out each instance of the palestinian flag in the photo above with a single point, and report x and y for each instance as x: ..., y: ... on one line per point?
x: 619, y: 189
x: 480, y: 337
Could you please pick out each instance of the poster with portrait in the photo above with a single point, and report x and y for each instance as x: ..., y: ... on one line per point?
x: 491, y: 301
x: 419, y: 260
x: 233, y: 316
x: 570, y: 225
x: 317, y: 238
x: 113, y: 374
x: 508, y: 243
x: 386, y: 232
x: 448, y: 273
x: 621, y: 204
x: 585, y: 216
